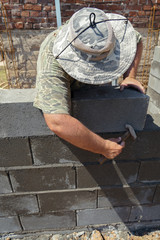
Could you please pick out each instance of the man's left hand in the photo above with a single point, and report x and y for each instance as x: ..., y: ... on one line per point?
x: 131, y: 82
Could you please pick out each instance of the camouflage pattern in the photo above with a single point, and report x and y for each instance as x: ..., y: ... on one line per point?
x: 53, y: 84
x: 77, y: 63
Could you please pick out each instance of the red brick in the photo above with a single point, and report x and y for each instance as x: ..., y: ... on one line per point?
x: 32, y: 20
x: 33, y: 7
x: 147, y: 8
x: 30, y: 1
x: 19, y: 25
x: 28, y: 7
x: 16, y: 12
x: 141, y: 13
x: 43, y: 14
x: 34, y: 13
x: 47, y: 8
x: 25, y: 13
x: 134, y: 7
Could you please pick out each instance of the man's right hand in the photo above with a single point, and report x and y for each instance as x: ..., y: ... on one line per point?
x: 113, y: 148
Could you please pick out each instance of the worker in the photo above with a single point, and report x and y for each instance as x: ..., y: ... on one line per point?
x: 92, y: 48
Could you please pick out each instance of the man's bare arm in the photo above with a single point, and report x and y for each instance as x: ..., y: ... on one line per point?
x: 130, y: 75
x: 73, y: 131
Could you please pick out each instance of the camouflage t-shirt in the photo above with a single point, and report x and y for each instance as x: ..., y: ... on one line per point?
x: 53, y: 84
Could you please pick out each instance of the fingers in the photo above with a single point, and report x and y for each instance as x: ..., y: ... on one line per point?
x: 131, y: 82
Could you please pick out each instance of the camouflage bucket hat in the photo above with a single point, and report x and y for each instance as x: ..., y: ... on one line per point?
x: 94, y: 47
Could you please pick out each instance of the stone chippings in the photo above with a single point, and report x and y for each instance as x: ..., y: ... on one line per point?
x: 111, y: 234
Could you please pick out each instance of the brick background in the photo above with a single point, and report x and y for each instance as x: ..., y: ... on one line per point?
x: 38, y: 14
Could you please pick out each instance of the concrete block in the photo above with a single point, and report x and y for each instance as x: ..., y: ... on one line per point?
x: 156, y: 55
x: 4, y: 183
x: 157, y: 195
x: 145, y: 213
x: 125, y: 196
x: 14, y: 152
x: 54, y: 221
x: 102, y: 216
x: 72, y: 200
x: 112, y: 108
x: 154, y: 97
x: 9, y: 224
x: 41, y: 179
x: 12, y: 205
x: 149, y: 171
x: 155, y: 69
x: 18, y: 116
x: 51, y: 149
x: 154, y: 82
x: 107, y: 174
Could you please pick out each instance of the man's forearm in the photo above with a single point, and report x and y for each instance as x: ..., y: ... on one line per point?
x: 73, y: 131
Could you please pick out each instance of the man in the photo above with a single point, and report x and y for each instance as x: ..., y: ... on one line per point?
x: 92, y: 48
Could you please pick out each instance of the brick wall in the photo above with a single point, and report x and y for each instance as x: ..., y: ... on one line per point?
x: 40, y: 14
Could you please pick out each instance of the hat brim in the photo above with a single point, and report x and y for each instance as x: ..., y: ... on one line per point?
x: 103, y: 71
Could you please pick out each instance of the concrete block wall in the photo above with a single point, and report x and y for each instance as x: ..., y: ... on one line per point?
x: 48, y: 184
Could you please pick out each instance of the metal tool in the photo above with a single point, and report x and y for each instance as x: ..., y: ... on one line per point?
x: 129, y: 133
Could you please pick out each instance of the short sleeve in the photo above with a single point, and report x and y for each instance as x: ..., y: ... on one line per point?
x: 138, y: 36
x: 52, y: 83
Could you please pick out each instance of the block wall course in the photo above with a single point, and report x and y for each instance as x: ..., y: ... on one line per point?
x: 149, y: 171
x: 102, y: 216
x: 145, y: 213
x: 9, y: 224
x: 5, y: 186
x: 125, y: 196
x: 42, y: 179
x: 157, y: 195
x: 59, y: 201
x: 15, y: 152
x: 106, y: 175
x: 51, y: 149
x: 54, y: 221
x: 13, y: 205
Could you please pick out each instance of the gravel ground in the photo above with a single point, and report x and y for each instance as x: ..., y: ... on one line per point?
x: 85, y: 235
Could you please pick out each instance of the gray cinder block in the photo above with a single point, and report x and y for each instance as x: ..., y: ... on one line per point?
x: 157, y: 195
x: 106, y: 175
x: 54, y: 221
x: 145, y: 213
x: 14, y: 152
x: 42, y: 179
x: 51, y: 149
x: 9, y: 224
x: 102, y: 216
x: 125, y: 196
x: 4, y: 183
x: 106, y: 109
x: 67, y: 200
x: 149, y: 171
x: 12, y: 205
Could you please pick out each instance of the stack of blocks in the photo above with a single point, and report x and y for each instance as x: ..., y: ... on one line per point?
x: 49, y: 184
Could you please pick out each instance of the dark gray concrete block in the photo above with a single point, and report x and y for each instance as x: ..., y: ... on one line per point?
x: 12, y: 205
x: 145, y: 213
x: 14, y: 152
x: 67, y: 200
x: 42, y: 179
x: 112, y: 108
x: 9, y: 224
x: 157, y: 195
x: 144, y: 147
x: 4, y: 183
x: 149, y: 171
x: 54, y: 221
x: 105, y: 175
x: 102, y: 216
x: 18, y: 117
x: 125, y: 196
x: 51, y: 149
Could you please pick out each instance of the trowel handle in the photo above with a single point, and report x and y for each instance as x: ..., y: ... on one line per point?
x: 124, y: 137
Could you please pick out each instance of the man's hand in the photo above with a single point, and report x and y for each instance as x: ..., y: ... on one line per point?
x: 131, y: 82
x: 113, y: 149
